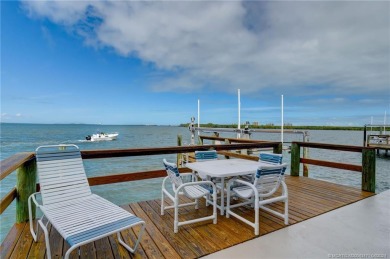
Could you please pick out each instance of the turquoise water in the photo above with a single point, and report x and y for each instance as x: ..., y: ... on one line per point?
x: 27, y: 137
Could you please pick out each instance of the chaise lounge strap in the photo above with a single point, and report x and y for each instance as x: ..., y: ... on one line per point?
x: 86, y: 218
x: 102, y: 230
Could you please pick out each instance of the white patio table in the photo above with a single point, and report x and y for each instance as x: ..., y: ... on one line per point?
x: 225, y: 168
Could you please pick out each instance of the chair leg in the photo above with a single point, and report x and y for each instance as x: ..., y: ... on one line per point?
x: 132, y: 250
x: 222, y: 195
x: 30, y: 217
x: 196, y: 204
x: 215, y: 207
x: 70, y: 250
x: 162, y: 203
x: 257, y: 216
x: 176, y: 217
x: 228, y: 202
x: 47, y: 241
x: 286, y: 211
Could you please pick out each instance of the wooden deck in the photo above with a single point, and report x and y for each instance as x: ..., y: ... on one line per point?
x: 307, y: 198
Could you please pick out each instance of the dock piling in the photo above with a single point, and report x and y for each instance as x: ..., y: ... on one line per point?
x: 25, y: 186
x: 368, y: 169
x: 295, y: 159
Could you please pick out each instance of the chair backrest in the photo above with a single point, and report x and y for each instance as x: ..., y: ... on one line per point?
x: 268, y: 179
x: 61, y: 173
x: 271, y: 158
x: 206, y: 155
x: 173, y: 173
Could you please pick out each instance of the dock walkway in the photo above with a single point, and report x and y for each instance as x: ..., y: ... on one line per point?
x: 308, y: 198
x: 360, y: 230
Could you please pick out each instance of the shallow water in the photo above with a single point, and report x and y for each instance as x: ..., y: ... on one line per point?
x: 27, y: 137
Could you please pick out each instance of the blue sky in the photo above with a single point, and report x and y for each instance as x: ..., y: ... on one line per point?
x: 144, y: 62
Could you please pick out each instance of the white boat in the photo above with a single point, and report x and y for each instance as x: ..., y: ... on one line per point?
x: 102, y: 136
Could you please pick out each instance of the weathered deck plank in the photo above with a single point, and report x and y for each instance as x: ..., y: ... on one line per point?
x: 307, y: 198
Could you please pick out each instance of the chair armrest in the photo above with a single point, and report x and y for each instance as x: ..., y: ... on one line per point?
x: 185, y: 174
x: 231, y: 181
x: 32, y: 197
x: 196, y: 183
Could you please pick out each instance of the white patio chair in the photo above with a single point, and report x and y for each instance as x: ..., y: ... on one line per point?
x: 202, y: 156
x: 260, y: 192
x: 69, y: 205
x: 269, y: 158
x: 193, y: 190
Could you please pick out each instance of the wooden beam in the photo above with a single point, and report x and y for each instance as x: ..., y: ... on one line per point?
x: 90, y: 154
x: 234, y: 140
x: 231, y: 154
x: 331, y: 146
x: 350, y: 167
x: 7, y: 200
x: 119, y: 178
x: 12, y: 163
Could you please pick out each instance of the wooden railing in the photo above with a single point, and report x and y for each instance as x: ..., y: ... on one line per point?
x: 367, y: 167
x: 25, y: 165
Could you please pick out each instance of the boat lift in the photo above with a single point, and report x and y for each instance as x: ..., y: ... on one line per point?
x: 379, y: 141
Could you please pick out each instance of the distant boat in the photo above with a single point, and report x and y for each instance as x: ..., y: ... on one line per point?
x: 102, y: 136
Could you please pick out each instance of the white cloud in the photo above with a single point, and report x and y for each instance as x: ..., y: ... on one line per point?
x: 9, y: 117
x: 330, y: 47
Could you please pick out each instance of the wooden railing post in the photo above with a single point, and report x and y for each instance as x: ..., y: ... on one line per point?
x: 25, y: 186
x: 306, y: 155
x: 278, y: 149
x: 227, y: 142
x: 368, y: 171
x: 295, y: 159
x: 179, y: 155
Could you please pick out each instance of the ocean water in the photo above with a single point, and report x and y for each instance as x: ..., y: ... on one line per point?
x: 27, y: 137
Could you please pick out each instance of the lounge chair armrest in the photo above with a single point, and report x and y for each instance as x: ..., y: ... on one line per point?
x: 32, y: 197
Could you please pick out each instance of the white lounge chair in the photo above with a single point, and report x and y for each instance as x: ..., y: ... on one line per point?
x: 69, y: 205
x: 193, y: 190
x: 259, y: 193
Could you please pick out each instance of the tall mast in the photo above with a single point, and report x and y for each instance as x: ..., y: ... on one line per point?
x: 282, y: 127
x: 239, y: 114
x: 198, y: 115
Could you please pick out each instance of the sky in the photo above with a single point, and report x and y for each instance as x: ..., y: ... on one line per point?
x: 149, y: 62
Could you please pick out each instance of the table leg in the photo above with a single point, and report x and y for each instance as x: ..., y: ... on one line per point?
x: 222, y: 195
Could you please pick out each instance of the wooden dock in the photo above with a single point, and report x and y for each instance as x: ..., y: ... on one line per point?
x: 307, y: 198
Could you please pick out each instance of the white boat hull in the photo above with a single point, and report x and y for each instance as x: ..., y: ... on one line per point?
x: 102, y: 137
